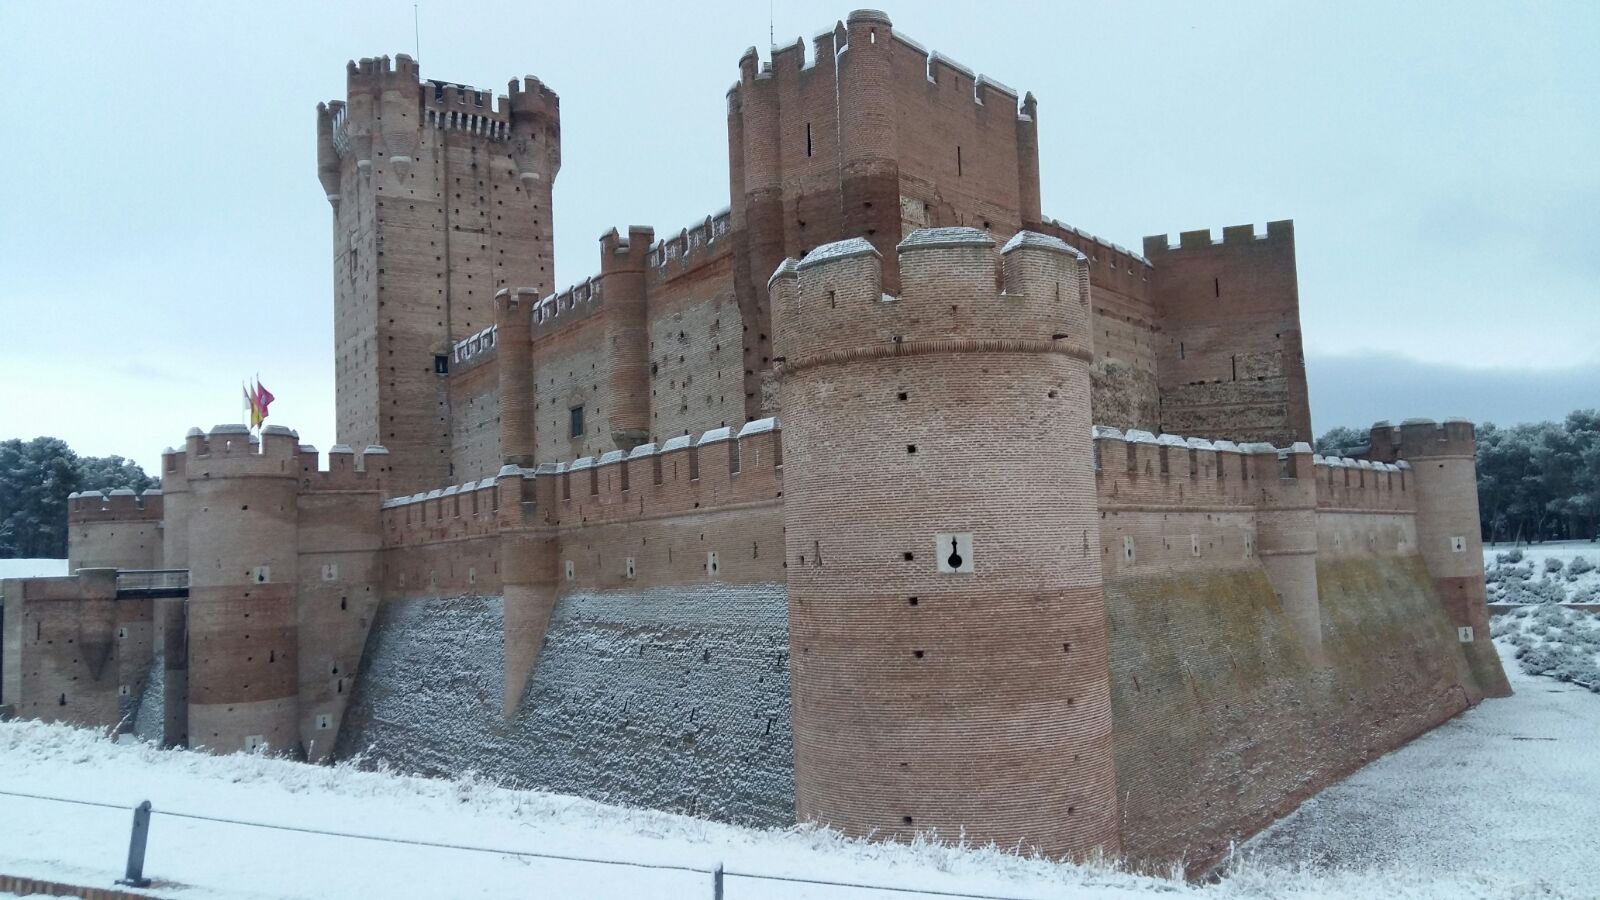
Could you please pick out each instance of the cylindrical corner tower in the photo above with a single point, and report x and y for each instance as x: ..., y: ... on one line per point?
x: 948, y: 641
x: 243, y: 619
x: 1444, y: 470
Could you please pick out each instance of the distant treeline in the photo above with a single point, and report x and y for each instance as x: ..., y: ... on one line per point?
x: 35, y: 478
x: 1536, y: 482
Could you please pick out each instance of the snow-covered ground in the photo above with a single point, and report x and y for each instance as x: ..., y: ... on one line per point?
x: 1499, y: 802
x: 1554, y: 572
x: 1496, y: 804
x: 32, y: 568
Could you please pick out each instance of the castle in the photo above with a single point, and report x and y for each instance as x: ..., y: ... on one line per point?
x: 862, y: 501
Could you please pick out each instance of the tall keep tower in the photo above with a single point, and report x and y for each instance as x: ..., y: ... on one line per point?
x: 873, y: 137
x: 441, y: 197
x: 947, y: 627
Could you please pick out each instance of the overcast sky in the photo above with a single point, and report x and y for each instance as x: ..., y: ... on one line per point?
x: 163, y: 234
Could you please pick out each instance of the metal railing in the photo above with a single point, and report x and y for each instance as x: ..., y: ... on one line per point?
x: 717, y: 875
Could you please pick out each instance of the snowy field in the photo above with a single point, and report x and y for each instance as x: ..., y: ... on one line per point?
x: 32, y: 568
x: 1554, y: 572
x: 1496, y: 804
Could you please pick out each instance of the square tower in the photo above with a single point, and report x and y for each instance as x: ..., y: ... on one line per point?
x: 441, y: 197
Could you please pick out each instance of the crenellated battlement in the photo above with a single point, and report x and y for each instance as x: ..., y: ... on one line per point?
x: 119, y: 505
x: 957, y: 294
x: 346, y: 470
x: 578, y: 301
x: 698, y: 243
x: 232, y: 451
x: 471, y: 348
x: 679, y: 476
x: 1144, y: 469
x: 1344, y: 483
x: 1100, y: 251
x: 1279, y: 232
x: 1423, y: 438
x: 869, y: 31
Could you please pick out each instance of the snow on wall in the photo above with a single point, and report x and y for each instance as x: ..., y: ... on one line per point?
x: 149, y: 708
x: 675, y: 699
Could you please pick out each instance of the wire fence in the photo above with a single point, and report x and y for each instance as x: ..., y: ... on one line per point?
x: 718, y: 874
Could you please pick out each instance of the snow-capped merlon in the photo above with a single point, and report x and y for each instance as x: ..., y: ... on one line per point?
x: 642, y: 451
x: 759, y: 426
x: 1135, y: 436
x: 1102, y: 432
x: 714, y: 435
x: 953, y: 236
x: 844, y: 249
x: 678, y: 443
x: 787, y: 267
x: 227, y: 429
x: 1195, y: 443
x: 611, y: 456
x: 1042, y: 241
x: 341, y: 448
x: 1171, y: 440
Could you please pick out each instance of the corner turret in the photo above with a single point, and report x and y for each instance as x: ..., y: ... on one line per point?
x: 928, y: 584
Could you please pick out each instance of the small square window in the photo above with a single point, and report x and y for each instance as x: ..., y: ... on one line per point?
x: 575, y: 419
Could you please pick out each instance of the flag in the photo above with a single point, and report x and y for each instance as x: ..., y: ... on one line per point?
x: 264, y: 398
x: 251, y: 409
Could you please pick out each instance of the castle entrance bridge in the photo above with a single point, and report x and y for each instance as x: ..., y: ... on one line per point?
x: 152, y: 583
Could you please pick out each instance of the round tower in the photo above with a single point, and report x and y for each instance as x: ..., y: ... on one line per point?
x: 243, y: 621
x: 948, y: 641
x: 513, y: 322
x: 869, y: 169
x: 623, y: 264
x: 1444, y: 472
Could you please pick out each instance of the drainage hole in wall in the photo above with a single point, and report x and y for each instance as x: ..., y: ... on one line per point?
x: 912, y: 601
x: 910, y: 556
x: 911, y: 448
x: 906, y: 819
x: 918, y: 655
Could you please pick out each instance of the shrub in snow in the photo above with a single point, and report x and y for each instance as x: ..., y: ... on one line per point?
x: 1514, y: 555
x: 1537, y: 592
x: 1586, y: 594
x: 1500, y: 574
x: 1553, y: 565
x: 1580, y: 565
x: 1557, y: 641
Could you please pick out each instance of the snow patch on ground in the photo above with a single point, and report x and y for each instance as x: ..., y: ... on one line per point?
x: 32, y: 568
x: 1554, y: 572
x: 1498, y: 802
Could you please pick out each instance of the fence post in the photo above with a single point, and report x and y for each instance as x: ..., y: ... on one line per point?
x: 134, y: 877
x: 716, y: 882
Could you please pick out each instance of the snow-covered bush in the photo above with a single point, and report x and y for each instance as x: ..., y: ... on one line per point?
x: 1514, y: 555
x: 1579, y: 565
x: 1534, y: 592
x: 1503, y: 573
x: 1553, y: 640
x: 1553, y: 565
